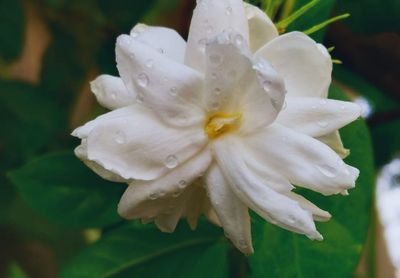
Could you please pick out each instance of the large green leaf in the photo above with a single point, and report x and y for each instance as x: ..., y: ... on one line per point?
x: 12, y: 25
x: 279, y: 253
x: 137, y: 251
x: 64, y: 190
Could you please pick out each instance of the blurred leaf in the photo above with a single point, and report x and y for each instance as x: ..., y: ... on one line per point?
x: 15, y: 271
x: 65, y: 191
x: 124, y: 14
x: 319, y: 13
x: 279, y: 253
x: 372, y: 16
x: 386, y: 138
x: 136, y: 251
x: 12, y: 27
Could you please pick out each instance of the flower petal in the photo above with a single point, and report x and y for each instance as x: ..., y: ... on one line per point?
x: 256, y: 194
x: 111, y: 92
x: 303, y: 160
x: 164, y: 40
x: 236, y: 83
x: 135, y: 145
x: 334, y: 141
x: 232, y: 213
x: 210, y: 18
x: 81, y: 153
x: 170, y: 89
x: 148, y: 199
x: 261, y: 28
x: 317, y: 117
x: 305, y: 65
x: 318, y: 214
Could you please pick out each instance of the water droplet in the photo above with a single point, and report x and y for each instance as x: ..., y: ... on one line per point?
x: 153, y: 196
x: 120, y: 137
x: 173, y: 91
x: 215, y: 105
x: 291, y: 219
x: 140, y: 97
x: 202, y: 44
x: 143, y: 80
x: 160, y: 50
x: 327, y: 170
x: 215, y: 59
x: 214, y: 75
x: 113, y: 96
x: 239, y: 40
x: 242, y: 243
x: 322, y: 124
x: 267, y: 86
x: 161, y: 193
x: 182, y: 184
x: 217, y: 91
x: 149, y: 63
x: 171, y: 161
x: 176, y: 194
x: 228, y: 10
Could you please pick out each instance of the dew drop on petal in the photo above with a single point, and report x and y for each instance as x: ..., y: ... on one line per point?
x: 239, y: 40
x: 267, y: 86
x: 160, y: 50
x: 120, y: 137
x: 182, y: 184
x: 176, y: 194
x: 228, y: 10
x: 143, y: 80
x: 327, y: 171
x: 215, y: 59
x: 153, y: 196
x: 140, y: 97
x: 171, y: 161
x: 173, y: 91
x: 149, y: 63
x: 214, y: 75
x: 113, y: 96
x: 217, y: 91
x: 322, y: 124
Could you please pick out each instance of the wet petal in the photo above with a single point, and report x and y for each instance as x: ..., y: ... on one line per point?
x: 210, y: 18
x: 171, y: 90
x: 305, y: 65
x: 232, y: 213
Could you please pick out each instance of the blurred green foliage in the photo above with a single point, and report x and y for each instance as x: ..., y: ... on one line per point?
x: 55, y: 197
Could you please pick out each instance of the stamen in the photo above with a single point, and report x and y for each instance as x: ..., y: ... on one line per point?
x: 219, y: 123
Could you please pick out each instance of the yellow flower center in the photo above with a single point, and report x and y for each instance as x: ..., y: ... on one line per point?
x: 219, y: 123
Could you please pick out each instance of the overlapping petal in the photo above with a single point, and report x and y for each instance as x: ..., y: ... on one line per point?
x: 235, y: 82
x: 261, y: 28
x: 304, y: 161
x: 210, y: 18
x: 317, y: 117
x: 163, y: 40
x: 150, y: 199
x: 170, y: 89
x: 232, y: 212
x: 111, y: 93
x: 256, y: 194
x: 305, y: 65
x: 133, y: 143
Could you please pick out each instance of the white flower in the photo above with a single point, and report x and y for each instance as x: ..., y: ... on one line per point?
x: 212, y: 115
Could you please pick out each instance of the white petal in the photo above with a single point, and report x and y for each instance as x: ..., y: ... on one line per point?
x: 232, y: 213
x: 81, y: 153
x: 304, y: 65
x: 261, y: 28
x: 318, y: 214
x: 164, y: 40
x: 303, y: 160
x: 236, y: 83
x: 210, y: 18
x: 334, y: 141
x: 197, y: 203
x: 149, y: 199
x: 170, y: 89
x: 135, y: 145
x: 111, y: 92
x: 272, y: 206
x: 317, y: 117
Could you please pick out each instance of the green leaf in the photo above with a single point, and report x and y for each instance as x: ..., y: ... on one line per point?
x: 12, y: 25
x: 64, y: 190
x: 15, y: 271
x: 319, y: 13
x: 279, y: 253
x: 142, y: 251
